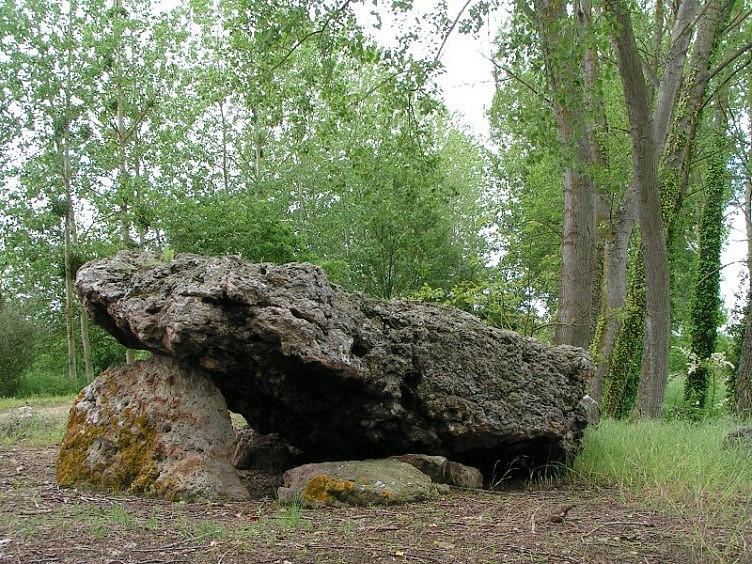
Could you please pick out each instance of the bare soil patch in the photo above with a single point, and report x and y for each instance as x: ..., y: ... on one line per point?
x: 41, y: 522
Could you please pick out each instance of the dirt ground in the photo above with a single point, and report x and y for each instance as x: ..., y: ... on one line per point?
x: 43, y: 523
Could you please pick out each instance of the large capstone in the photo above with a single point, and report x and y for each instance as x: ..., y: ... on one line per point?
x: 341, y: 376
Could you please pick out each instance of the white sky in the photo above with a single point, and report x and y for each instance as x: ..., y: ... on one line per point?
x: 467, y: 83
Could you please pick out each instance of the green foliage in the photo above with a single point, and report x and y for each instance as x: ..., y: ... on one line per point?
x: 224, y: 224
x: 17, y: 336
x: 706, y: 300
x: 623, y: 371
x: 274, y: 130
x: 497, y: 300
x: 40, y: 383
x: 106, y: 351
x: 716, y: 398
x: 734, y: 344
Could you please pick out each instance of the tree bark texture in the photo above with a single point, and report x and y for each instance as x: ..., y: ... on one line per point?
x: 621, y: 324
x: 614, y: 296
x: 681, y: 35
x: 577, y: 309
x: 743, y: 387
x: 654, y: 370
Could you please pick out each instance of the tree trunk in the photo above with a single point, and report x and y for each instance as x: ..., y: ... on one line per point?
x: 614, y: 297
x: 743, y: 387
x: 122, y: 141
x: 62, y: 142
x: 225, y: 145
x: 681, y: 34
x: 675, y: 170
x: 578, y: 275
x: 706, y: 299
x: 654, y: 370
x: 577, y: 309
x: 70, y: 336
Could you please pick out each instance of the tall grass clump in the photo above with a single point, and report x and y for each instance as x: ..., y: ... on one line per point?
x: 674, y: 461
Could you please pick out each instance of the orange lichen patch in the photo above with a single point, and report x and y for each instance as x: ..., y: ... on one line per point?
x: 117, y: 452
x: 326, y: 489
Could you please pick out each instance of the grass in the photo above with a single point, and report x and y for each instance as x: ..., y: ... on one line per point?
x: 37, y: 430
x: 7, y: 404
x: 680, y: 467
x: 37, y: 427
x: 291, y: 515
x: 674, y: 461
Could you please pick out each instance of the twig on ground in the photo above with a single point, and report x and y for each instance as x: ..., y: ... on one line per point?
x: 611, y: 523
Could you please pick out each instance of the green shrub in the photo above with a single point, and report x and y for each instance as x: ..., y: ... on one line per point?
x: 42, y: 383
x: 16, y: 348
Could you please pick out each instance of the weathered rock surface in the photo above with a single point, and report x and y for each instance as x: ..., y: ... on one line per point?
x: 443, y: 471
x: 153, y: 428
x: 269, y: 453
x: 356, y: 483
x: 341, y: 376
x: 592, y: 410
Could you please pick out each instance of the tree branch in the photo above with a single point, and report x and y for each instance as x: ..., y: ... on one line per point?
x: 450, y: 30
x: 519, y: 79
x: 299, y: 42
x: 724, y: 82
x: 730, y: 59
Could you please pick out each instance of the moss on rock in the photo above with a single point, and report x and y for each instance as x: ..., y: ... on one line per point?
x: 357, y: 483
x: 153, y: 429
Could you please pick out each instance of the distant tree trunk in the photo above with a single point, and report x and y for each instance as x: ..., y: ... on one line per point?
x: 614, y: 296
x: 743, y: 388
x: 225, y: 149
x: 69, y: 226
x: 62, y: 141
x: 258, y: 152
x: 654, y: 371
x: 577, y: 309
x: 122, y: 142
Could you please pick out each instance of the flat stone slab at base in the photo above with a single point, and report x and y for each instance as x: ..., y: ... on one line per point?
x: 443, y: 471
x: 357, y: 483
x: 152, y: 428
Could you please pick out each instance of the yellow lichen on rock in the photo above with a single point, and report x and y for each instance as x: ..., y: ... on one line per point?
x: 151, y: 428
x: 117, y: 453
x: 326, y: 489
